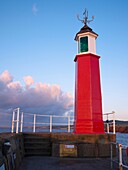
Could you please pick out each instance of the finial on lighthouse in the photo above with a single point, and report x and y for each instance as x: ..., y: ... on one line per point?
x: 85, y: 19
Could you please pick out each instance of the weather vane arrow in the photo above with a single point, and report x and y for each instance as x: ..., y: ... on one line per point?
x: 85, y: 19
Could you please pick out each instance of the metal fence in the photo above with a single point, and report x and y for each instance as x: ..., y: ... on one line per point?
x: 37, y: 122
x: 48, y: 123
x: 106, y: 117
x: 28, y: 122
x: 121, y: 157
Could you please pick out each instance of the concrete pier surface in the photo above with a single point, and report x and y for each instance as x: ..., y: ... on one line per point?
x: 58, y: 163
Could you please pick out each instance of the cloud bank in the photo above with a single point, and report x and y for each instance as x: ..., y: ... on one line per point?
x: 33, y: 97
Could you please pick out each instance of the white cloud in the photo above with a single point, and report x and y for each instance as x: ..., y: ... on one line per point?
x: 15, y: 85
x: 29, y: 81
x: 5, y: 77
x: 35, y: 98
x: 34, y: 9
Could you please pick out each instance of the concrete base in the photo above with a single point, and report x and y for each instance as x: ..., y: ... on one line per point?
x: 82, y: 145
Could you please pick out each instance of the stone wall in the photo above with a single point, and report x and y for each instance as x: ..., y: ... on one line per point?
x: 87, y: 145
x: 63, y: 145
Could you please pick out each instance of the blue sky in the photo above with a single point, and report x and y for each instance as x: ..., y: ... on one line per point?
x: 37, y: 40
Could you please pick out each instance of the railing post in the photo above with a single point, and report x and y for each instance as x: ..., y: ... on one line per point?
x: 68, y: 123
x: 120, y: 157
x: 107, y: 127
x: 21, y: 123
x: 17, y: 121
x: 107, y: 124
x: 50, y: 123
x: 34, y: 123
x: 13, y: 116
x: 111, y: 156
x: 114, y: 131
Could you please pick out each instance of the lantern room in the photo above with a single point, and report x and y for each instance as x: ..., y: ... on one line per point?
x: 86, y: 40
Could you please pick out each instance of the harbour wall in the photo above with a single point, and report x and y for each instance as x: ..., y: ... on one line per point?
x: 13, y: 147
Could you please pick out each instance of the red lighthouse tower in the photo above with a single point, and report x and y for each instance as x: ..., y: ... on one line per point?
x: 88, y: 99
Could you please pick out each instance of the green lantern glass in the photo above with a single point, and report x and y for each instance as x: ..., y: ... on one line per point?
x: 83, y: 46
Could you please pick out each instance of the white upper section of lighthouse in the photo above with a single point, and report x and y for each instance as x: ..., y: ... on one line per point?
x: 86, y: 37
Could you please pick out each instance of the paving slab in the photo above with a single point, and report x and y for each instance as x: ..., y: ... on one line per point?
x: 57, y: 163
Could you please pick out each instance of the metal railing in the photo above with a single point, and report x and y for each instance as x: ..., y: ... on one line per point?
x: 39, y: 121
x: 15, y: 119
x: 107, y: 123
x: 19, y: 119
x: 121, y: 157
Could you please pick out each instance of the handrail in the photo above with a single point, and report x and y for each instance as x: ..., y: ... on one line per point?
x: 19, y: 119
x: 121, y: 155
x: 113, y: 122
x: 15, y: 111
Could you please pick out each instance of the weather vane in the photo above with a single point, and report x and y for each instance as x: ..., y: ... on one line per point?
x: 85, y: 19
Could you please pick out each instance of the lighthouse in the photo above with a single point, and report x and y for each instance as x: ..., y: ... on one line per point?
x: 88, y: 97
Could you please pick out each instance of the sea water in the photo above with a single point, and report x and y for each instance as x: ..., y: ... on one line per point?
x: 122, y: 138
